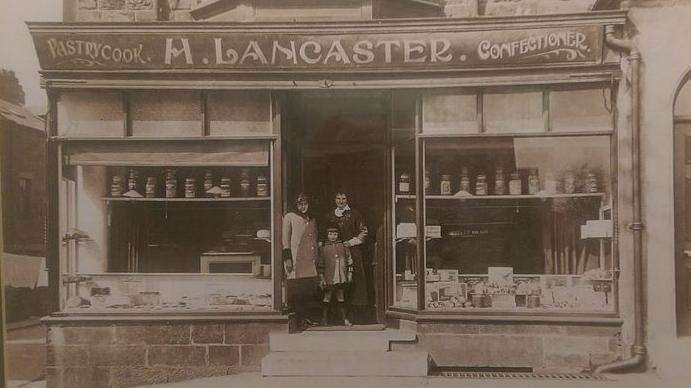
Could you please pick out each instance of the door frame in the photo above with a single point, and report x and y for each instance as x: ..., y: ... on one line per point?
x: 293, y: 168
x: 680, y: 128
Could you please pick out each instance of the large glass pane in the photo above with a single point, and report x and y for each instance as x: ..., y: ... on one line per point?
x: 581, y: 110
x: 519, y: 224
x: 405, y: 261
x: 239, y: 113
x: 449, y: 111
x: 513, y: 112
x: 166, y: 114
x: 135, y: 226
x: 91, y: 114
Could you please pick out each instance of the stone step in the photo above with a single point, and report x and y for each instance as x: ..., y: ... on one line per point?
x: 337, y: 341
x: 358, y: 364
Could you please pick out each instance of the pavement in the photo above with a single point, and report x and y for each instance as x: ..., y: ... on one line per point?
x: 255, y: 380
x: 25, y: 348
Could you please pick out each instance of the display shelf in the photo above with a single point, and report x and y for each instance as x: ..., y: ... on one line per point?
x: 495, y: 197
x: 232, y: 199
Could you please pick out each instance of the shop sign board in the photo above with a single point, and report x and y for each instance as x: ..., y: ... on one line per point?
x: 310, y: 51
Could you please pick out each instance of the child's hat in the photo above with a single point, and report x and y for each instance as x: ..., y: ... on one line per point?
x: 331, y: 227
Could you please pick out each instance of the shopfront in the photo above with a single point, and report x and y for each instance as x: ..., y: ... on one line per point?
x: 483, y: 155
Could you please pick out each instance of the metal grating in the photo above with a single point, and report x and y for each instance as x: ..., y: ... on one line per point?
x: 483, y: 375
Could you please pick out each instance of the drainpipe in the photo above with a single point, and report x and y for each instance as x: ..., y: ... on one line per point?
x: 638, y: 350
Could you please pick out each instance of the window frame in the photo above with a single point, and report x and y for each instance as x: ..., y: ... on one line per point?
x: 420, y: 199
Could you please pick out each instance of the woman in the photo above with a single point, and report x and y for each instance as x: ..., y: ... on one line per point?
x: 353, y: 233
x: 300, y: 253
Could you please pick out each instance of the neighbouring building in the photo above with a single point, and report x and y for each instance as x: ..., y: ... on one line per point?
x: 23, y: 142
x: 531, y: 143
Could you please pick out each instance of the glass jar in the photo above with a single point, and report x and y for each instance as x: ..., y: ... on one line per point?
x: 245, y: 182
x: 569, y: 183
x: 499, y: 182
x: 171, y: 184
x: 515, y: 186
x: 225, y: 187
x: 465, y: 181
x: 208, y: 182
x: 150, y: 189
x: 445, y: 185
x: 481, y: 185
x: 132, y: 180
x: 404, y: 183
x: 116, y: 186
x: 262, y: 186
x: 533, y: 182
x: 190, y: 188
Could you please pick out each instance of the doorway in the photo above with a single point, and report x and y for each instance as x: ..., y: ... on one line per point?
x: 338, y: 141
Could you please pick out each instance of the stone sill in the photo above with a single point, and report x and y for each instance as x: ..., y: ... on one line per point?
x: 57, y: 318
x: 600, y: 320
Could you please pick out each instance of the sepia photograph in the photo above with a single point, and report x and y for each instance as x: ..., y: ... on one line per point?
x: 345, y: 193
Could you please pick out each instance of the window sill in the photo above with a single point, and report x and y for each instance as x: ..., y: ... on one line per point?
x: 608, y: 319
x: 64, y: 317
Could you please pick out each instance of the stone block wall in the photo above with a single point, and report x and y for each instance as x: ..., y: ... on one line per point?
x: 548, y: 347
x: 94, y: 355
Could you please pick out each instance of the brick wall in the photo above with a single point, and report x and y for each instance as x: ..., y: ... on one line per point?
x: 130, y: 354
x: 566, y: 348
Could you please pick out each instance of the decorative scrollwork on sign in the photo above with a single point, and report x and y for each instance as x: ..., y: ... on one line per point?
x: 571, y: 54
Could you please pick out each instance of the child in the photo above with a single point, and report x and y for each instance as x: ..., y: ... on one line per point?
x: 335, y: 268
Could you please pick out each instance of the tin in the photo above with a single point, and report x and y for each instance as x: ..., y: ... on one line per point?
x: 404, y: 183
x: 591, y: 185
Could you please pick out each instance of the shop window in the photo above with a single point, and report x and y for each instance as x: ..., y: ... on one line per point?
x: 405, y: 260
x: 91, y: 114
x: 519, y: 224
x: 581, y: 110
x: 239, y: 113
x: 516, y: 112
x: 449, y: 112
x: 166, y: 114
x: 167, y: 229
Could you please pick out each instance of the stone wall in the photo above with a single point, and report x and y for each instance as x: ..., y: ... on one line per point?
x: 544, y: 347
x: 125, y: 354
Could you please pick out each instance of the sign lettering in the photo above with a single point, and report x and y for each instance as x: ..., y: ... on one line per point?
x: 190, y: 49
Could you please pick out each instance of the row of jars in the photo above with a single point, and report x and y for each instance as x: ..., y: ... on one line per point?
x: 504, y: 184
x: 211, y: 187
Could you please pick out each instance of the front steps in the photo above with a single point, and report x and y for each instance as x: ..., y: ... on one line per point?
x: 343, y: 353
